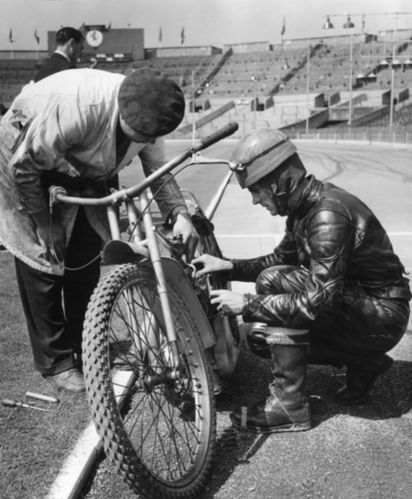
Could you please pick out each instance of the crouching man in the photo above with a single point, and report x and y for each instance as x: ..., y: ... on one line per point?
x: 332, y: 292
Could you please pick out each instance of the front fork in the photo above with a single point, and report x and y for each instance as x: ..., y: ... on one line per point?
x: 152, y: 244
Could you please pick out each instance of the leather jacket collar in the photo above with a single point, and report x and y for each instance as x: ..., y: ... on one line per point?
x: 305, y: 196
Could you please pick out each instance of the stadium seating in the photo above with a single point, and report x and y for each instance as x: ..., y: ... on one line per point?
x: 275, y: 86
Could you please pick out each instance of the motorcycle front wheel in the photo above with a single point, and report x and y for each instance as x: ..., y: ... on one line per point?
x: 157, y: 424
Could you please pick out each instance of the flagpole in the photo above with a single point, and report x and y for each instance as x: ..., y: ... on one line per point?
x: 194, y: 109
x: 37, y: 38
x: 282, y: 32
x: 160, y: 37
x: 11, y: 40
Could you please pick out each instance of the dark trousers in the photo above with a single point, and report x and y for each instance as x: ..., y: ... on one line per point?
x: 364, y: 326
x: 55, y: 306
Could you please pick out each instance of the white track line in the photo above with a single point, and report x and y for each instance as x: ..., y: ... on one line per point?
x: 78, y: 465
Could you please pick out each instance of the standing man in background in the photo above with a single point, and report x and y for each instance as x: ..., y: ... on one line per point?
x: 69, y: 48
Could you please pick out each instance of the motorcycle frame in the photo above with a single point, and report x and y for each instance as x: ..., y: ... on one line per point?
x: 118, y: 251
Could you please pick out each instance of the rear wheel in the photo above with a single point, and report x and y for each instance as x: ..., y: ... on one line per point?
x: 158, y: 426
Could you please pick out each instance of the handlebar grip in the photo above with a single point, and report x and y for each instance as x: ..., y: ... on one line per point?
x: 220, y: 134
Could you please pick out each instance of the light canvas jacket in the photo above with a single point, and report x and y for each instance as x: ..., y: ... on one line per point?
x: 66, y: 122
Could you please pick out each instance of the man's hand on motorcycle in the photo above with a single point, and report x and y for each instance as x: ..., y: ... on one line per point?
x: 207, y: 264
x: 184, y: 230
x: 228, y: 302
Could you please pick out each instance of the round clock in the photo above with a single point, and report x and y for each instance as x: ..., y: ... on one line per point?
x: 94, y: 37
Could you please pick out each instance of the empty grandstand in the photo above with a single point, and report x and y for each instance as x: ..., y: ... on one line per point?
x: 328, y: 85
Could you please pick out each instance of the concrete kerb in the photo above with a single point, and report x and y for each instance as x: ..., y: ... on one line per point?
x: 78, y: 465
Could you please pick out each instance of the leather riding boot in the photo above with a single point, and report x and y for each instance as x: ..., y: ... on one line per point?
x: 360, y: 377
x: 287, y: 408
x: 256, y: 338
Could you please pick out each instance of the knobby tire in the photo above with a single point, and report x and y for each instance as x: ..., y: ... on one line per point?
x: 158, y: 431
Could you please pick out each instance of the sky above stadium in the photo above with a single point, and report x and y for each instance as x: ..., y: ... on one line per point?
x: 203, y: 22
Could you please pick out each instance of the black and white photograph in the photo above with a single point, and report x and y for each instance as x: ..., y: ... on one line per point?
x: 205, y: 249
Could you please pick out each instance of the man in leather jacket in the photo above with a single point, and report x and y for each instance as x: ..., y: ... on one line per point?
x: 332, y: 292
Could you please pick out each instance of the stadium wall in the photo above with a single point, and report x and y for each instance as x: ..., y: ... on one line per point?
x: 200, y: 50
x: 241, y: 48
x: 28, y: 55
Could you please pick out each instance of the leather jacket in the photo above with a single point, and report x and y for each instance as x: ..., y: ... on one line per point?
x: 340, y: 243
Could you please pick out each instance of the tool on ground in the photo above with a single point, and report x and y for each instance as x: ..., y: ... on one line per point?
x: 15, y: 403
x: 40, y: 396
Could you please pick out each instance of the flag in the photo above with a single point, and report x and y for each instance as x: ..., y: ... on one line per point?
x: 36, y: 36
x: 283, y: 31
x: 160, y: 35
x: 182, y: 36
x: 11, y: 40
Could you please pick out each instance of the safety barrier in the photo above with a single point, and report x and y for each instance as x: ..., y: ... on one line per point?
x: 395, y: 135
x: 205, y: 119
x: 398, y: 135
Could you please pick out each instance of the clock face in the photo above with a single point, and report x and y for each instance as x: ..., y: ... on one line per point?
x: 94, y: 37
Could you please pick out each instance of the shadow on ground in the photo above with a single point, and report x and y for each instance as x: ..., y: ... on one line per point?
x: 390, y: 398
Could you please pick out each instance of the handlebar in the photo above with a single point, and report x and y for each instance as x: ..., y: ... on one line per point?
x: 220, y: 134
x: 58, y: 193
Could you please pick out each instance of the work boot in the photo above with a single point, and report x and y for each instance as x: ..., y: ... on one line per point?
x: 360, y: 377
x: 287, y: 408
x: 70, y: 380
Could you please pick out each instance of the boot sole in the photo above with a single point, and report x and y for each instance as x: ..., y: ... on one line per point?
x: 274, y: 429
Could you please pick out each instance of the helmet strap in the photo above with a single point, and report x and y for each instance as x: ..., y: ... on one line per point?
x: 281, y: 199
x: 279, y: 184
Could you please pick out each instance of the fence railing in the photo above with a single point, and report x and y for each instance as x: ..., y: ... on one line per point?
x: 399, y: 135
